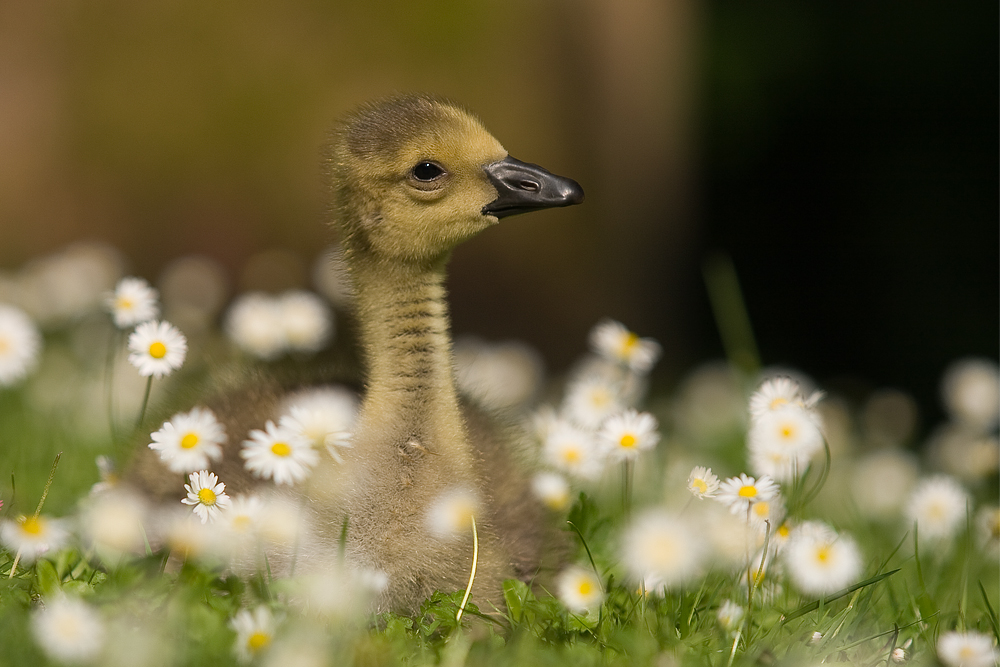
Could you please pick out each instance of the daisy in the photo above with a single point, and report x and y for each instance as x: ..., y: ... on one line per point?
x: 592, y: 399
x: 572, y: 450
x: 157, y: 348
x: 552, y: 489
x: 306, y: 319
x: 189, y: 440
x: 579, y: 589
x: 778, y: 392
x: 206, y: 494
x: 782, y: 440
x: 69, y: 630
x: 254, y: 632
x: 971, y: 392
x: 768, y: 512
x: 729, y: 615
x: 819, y: 564
x: 988, y: 529
x: 325, y: 417
x: 661, y: 551
x: 967, y: 649
x: 133, y: 302
x: 740, y: 493
x: 937, y: 505
x: 20, y: 343
x: 33, y: 536
x: 702, y: 483
x: 113, y: 522
x: 254, y: 324
x: 452, y: 512
x: 499, y: 376
x: 623, y: 436
x: 184, y: 535
x: 613, y: 341
x: 279, y: 453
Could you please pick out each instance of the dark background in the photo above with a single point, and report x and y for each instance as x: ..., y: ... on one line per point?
x: 844, y: 155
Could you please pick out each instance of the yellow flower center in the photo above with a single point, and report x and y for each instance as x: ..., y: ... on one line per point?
x: 258, y: 641
x: 823, y: 554
x: 627, y: 441
x: 787, y: 431
x: 206, y: 497
x: 585, y: 587
x: 761, y: 509
x: 571, y: 455
x: 699, y: 485
x: 783, y: 530
x: 600, y: 398
x: 32, y: 526
x: 281, y: 449
x: 123, y: 303
x: 189, y: 440
x: 240, y: 523
x: 629, y: 343
x: 778, y: 402
x: 157, y: 350
x: 748, y: 491
x: 4, y: 345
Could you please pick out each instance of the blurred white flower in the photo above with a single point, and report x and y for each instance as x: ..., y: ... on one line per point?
x: 579, y: 589
x: 189, y: 440
x: 157, y: 348
x: 113, y: 522
x: 971, y: 392
x: 325, y: 416
x: 739, y: 493
x: 779, y: 392
x: 254, y: 632
x: 937, y: 505
x: 819, y: 564
x: 33, y: 536
x: 661, y: 550
x: 882, y: 481
x: 967, y: 649
x: 552, y: 489
x: 133, y: 302
x: 624, y: 435
x: 66, y: 285
x: 68, y: 630
x: 184, y: 534
x: 254, y: 324
x: 279, y: 453
x: 782, y: 440
x: 451, y: 514
x: 702, y: 483
x: 729, y: 615
x: 206, y: 494
x: 613, y: 341
x: 501, y: 376
x: 20, y: 344
x: 306, y: 319
x: 591, y: 399
x: 573, y: 451
x: 988, y: 529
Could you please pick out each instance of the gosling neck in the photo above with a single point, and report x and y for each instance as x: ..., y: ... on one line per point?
x: 405, y: 325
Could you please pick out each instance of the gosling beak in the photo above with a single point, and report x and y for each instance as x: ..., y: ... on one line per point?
x: 523, y: 187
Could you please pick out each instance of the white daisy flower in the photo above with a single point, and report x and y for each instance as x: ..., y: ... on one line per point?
x: 729, y: 615
x: 899, y: 655
x: 702, y: 483
x: 613, y: 341
x: 189, y: 440
x: 573, y: 451
x: 592, y: 399
x: 306, y: 319
x: 254, y: 632
x: 625, y: 435
x: 185, y: 535
x: 882, y: 481
x: 740, y: 493
x: 242, y: 524
x: 497, y: 376
x: 988, y: 529
x: 819, y: 564
x: 937, y: 505
x: 579, y: 589
x: 33, y: 537
x: 778, y: 392
x: 323, y: 416
x: 206, y: 494
x: 113, y: 523
x: 451, y: 514
x: 764, y: 512
x: 133, y: 302
x: 157, y: 348
x: 254, y: 324
x: 661, y: 550
x: 967, y: 649
x: 971, y: 392
x: 20, y: 343
x: 68, y: 630
x: 782, y: 440
x: 279, y: 453
x: 552, y: 489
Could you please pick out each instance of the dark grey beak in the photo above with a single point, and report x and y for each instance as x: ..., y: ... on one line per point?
x: 523, y: 187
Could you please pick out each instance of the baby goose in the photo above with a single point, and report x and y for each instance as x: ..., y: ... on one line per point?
x: 410, y: 178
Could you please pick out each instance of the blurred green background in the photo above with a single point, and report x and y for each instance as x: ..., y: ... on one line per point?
x: 843, y: 154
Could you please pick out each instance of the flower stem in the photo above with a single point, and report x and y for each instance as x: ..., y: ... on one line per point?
x: 145, y: 402
x: 627, y: 487
x: 472, y: 575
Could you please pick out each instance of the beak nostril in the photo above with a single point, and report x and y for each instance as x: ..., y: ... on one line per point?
x: 529, y: 186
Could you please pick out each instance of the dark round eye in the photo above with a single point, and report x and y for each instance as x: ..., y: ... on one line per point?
x: 427, y: 171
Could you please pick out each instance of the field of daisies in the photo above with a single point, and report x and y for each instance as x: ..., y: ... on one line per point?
x: 745, y: 518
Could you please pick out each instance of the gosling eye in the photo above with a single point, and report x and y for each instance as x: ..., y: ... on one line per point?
x: 426, y: 171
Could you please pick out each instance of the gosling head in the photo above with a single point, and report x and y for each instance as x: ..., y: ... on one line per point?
x: 412, y: 177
